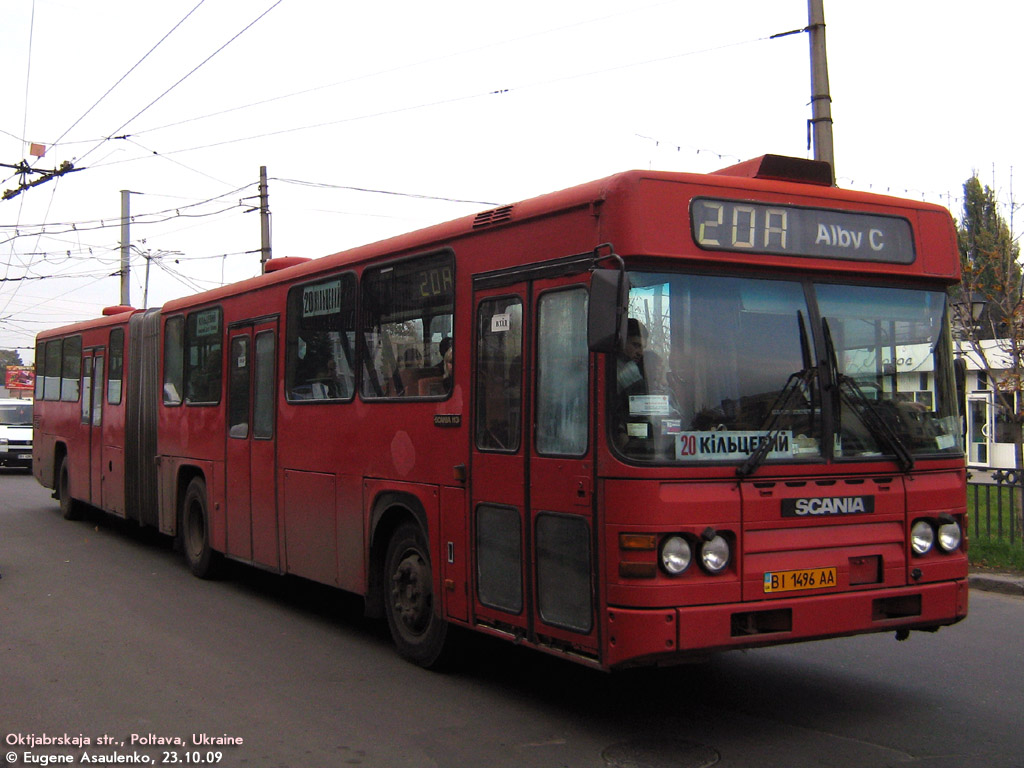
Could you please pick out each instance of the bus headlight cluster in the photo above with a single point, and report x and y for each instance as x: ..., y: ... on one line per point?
x: 926, y: 533
x: 676, y: 552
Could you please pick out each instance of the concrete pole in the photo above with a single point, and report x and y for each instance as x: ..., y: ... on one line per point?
x: 125, y: 246
x: 265, y: 254
x: 821, y: 99
x: 145, y: 290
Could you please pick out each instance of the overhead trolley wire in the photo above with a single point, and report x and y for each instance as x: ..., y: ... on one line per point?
x: 133, y: 68
x: 182, y: 79
x: 412, y: 65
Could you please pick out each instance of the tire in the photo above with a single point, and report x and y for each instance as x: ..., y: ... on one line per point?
x: 415, y: 622
x: 69, y: 508
x: 202, y: 560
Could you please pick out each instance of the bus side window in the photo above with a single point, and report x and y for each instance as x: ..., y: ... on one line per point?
x: 320, y: 341
x: 562, y: 370
x: 71, y: 369
x: 499, y: 374
x: 203, y: 359
x: 174, y: 360
x: 400, y: 304
x: 40, y: 370
x: 116, y: 372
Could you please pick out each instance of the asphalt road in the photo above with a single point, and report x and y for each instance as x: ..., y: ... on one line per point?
x: 104, y: 635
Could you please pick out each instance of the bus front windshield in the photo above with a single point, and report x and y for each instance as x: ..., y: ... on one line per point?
x: 723, y: 369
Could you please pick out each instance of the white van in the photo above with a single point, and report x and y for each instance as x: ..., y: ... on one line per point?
x: 15, y: 433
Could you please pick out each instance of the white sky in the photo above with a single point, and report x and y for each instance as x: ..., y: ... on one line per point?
x: 469, y: 101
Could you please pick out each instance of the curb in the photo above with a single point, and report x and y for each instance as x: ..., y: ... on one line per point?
x: 997, y: 582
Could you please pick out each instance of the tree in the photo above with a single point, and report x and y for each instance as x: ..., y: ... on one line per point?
x: 9, y: 357
x: 988, y: 253
x: 990, y: 262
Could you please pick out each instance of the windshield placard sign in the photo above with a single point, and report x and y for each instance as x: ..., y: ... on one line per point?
x: 727, y: 445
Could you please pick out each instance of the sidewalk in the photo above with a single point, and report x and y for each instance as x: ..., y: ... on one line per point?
x: 1006, y: 583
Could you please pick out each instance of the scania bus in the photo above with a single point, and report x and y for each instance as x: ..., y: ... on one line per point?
x: 632, y: 422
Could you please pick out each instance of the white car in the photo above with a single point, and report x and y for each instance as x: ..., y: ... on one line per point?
x: 15, y: 433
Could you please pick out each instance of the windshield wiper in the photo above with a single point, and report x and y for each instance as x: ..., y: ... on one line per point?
x: 796, y: 382
x: 851, y: 392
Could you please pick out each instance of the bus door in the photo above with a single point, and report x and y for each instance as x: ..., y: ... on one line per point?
x: 532, y: 527
x: 251, y: 444
x: 498, y: 473
x: 92, y: 420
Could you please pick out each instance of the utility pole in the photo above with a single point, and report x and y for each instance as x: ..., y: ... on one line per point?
x: 821, y: 99
x: 126, y: 241
x: 264, y: 219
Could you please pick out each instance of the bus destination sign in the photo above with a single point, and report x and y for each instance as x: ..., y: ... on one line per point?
x: 787, y: 230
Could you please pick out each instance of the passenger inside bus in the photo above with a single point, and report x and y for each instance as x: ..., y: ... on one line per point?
x: 204, y: 382
x: 631, y: 383
x: 436, y: 380
x: 327, y: 384
x: 630, y: 363
x: 448, y: 362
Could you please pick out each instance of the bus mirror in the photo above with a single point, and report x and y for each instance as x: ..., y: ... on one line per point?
x: 606, y: 311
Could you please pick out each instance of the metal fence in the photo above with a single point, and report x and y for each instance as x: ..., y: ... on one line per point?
x: 993, y: 503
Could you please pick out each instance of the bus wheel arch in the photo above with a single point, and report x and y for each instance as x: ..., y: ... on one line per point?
x: 402, y: 586
x: 194, y: 526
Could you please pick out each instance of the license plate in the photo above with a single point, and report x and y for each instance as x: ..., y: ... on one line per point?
x: 809, y: 578
x: 25, y: 456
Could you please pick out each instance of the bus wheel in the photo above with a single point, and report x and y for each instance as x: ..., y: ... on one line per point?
x: 69, y: 508
x: 418, y: 630
x: 195, y: 531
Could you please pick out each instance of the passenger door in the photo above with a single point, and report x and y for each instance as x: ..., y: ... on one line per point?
x: 499, y: 512
x: 532, y: 502
x: 92, y: 421
x: 561, y: 468
x: 252, y: 528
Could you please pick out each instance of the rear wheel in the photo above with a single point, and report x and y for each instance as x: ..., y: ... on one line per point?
x: 417, y: 628
x: 195, y: 532
x: 69, y: 508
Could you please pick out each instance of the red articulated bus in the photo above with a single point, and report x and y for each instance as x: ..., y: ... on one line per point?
x: 635, y: 421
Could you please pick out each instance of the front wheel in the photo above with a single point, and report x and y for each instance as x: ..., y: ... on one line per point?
x: 417, y: 628
x: 202, y: 560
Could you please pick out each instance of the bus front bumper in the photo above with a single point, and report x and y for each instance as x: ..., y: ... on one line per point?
x: 653, y: 636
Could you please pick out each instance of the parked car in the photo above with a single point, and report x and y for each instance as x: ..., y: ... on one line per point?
x: 15, y: 433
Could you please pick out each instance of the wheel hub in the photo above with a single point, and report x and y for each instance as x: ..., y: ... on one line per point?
x: 410, y: 592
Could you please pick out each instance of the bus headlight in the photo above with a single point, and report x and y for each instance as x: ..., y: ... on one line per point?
x: 949, y: 535
x: 676, y: 555
x: 922, y: 537
x: 714, y: 554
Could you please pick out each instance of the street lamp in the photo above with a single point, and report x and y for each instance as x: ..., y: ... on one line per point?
x: 969, y: 308
x: 149, y: 255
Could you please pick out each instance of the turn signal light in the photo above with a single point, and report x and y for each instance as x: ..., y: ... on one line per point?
x: 638, y: 541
